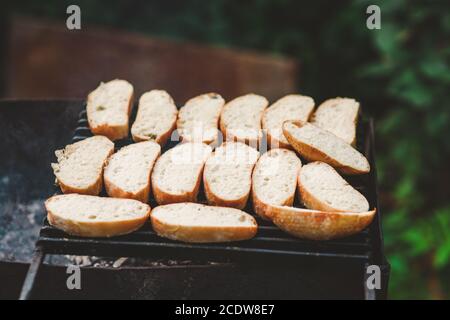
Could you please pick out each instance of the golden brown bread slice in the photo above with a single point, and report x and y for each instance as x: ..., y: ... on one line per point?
x: 108, y: 109
x: 240, y: 119
x: 127, y: 174
x: 227, y: 177
x: 192, y: 222
x: 156, y: 117
x: 198, y: 119
x: 80, y: 165
x: 322, y: 188
x: 316, y: 144
x: 274, y: 180
x: 319, y: 225
x: 92, y: 216
x: 177, y: 173
x: 339, y: 116
x: 290, y: 107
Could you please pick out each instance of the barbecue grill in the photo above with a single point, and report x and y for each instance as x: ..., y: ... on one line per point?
x: 269, y: 253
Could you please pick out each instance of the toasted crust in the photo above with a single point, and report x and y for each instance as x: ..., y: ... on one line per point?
x: 117, y: 192
x: 311, y: 201
x: 161, y: 138
x: 228, y: 136
x: 93, y: 189
x: 278, y: 106
x: 319, y: 225
x: 261, y: 207
x: 202, y: 234
x: 213, y: 197
x: 95, y: 229
x: 217, y: 201
x: 311, y: 153
x: 208, y: 126
x: 112, y: 131
x: 163, y: 197
x: 329, y: 105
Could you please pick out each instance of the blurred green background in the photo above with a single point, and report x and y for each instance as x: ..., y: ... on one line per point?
x: 400, y: 73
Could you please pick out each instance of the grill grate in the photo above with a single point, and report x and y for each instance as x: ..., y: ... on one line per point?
x: 270, y: 242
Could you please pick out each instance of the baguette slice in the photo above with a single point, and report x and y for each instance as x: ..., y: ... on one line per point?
x: 198, y: 120
x: 177, y: 173
x: 192, y: 222
x: 316, y: 144
x: 156, y: 117
x: 290, y: 107
x: 80, y: 165
x: 322, y: 188
x: 319, y: 225
x: 339, y: 116
x: 274, y: 180
x: 91, y: 216
x: 241, y: 119
x: 108, y: 109
x: 127, y: 174
x: 227, y: 176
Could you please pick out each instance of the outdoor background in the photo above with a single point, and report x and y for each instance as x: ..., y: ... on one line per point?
x: 400, y: 73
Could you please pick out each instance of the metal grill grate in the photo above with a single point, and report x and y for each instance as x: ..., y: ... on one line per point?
x: 270, y: 242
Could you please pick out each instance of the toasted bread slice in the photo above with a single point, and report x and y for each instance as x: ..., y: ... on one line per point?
x: 127, y: 174
x: 319, y: 225
x: 108, y: 109
x: 92, y: 216
x: 198, y: 119
x: 156, y: 117
x: 241, y: 119
x: 192, y: 222
x: 322, y: 188
x: 228, y: 175
x: 290, y: 107
x: 316, y: 144
x: 80, y: 165
x: 177, y: 174
x: 339, y: 116
x: 274, y: 180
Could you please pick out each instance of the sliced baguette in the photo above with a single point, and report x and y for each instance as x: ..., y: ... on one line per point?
x: 198, y: 119
x: 316, y: 144
x: 127, y: 174
x: 80, y: 165
x: 241, y: 119
x: 319, y: 225
x: 91, y: 216
x: 177, y: 174
x: 156, y: 117
x: 228, y: 175
x: 339, y: 116
x: 290, y: 107
x: 108, y: 109
x: 192, y: 222
x: 274, y: 180
x: 322, y: 188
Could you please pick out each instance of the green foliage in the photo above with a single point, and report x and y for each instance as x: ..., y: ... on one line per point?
x: 400, y: 73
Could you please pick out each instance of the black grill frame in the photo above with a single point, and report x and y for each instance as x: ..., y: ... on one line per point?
x: 270, y: 243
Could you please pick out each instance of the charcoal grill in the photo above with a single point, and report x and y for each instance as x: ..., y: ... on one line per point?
x: 270, y: 246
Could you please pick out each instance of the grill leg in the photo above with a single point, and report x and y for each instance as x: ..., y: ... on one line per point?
x: 30, y: 279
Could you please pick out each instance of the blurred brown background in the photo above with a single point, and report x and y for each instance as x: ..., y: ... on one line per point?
x: 46, y: 60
